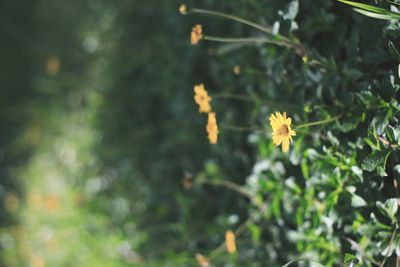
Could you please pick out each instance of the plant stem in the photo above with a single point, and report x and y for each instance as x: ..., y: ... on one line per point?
x: 232, y: 17
x: 386, y: 142
x: 243, y: 40
x: 389, y: 248
x: 238, y: 232
x: 227, y: 184
x: 284, y: 40
x: 314, y: 123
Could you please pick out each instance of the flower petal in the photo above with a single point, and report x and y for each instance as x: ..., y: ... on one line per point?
x: 285, y: 145
x: 277, y: 140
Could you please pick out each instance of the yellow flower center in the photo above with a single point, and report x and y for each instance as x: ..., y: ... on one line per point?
x: 283, y: 130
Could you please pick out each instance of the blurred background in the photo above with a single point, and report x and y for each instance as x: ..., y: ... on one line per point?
x: 98, y: 128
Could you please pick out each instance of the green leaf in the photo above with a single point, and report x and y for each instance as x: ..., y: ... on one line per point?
x: 350, y: 259
x: 357, y: 201
x: 370, y: 8
x: 397, y: 169
x: 393, y: 50
x: 374, y: 160
x: 372, y: 14
x: 358, y: 172
x: 389, y: 208
x: 293, y: 9
x: 393, y: 134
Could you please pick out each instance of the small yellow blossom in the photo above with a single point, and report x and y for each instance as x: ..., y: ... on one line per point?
x: 36, y: 260
x: 53, y: 65
x: 183, y: 9
x: 11, y: 202
x: 196, y: 35
x: 236, y: 70
x: 202, y: 98
x: 230, y: 242
x: 281, y: 131
x: 212, y: 128
x: 52, y: 202
x: 202, y: 261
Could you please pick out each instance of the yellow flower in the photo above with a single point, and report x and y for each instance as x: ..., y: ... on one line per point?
x: 196, y: 35
x: 230, y: 242
x: 236, y: 70
x: 53, y: 66
x: 11, y: 202
x: 212, y: 128
x: 202, y: 98
x: 202, y: 261
x: 182, y: 9
x: 281, y: 131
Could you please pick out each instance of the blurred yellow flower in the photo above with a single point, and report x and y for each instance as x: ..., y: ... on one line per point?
x: 52, y: 202
x: 202, y: 261
x: 230, y: 242
x: 196, y: 35
x: 236, y: 70
x: 281, y: 131
x: 53, y: 65
x: 202, y: 98
x: 212, y: 128
x: 36, y: 260
x: 11, y: 202
x: 182, y: 9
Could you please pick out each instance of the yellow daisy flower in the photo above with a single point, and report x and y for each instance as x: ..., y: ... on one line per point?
x: 281, y: 131
x: 196, y: 35
x: 236, y: 70
x: 230, y: 242
x: 212, y: 128
x: 202, y: 260
x: 202, y: 98
x: 182, y: 9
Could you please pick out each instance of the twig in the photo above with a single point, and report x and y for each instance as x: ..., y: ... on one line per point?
x: 227, y: 184
x: 389, y: 248
x: 386, y: 142
x: 239, y: 231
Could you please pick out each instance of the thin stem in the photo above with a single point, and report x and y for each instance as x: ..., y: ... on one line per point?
x: 240, y: 128
x: 298, y: 47
x: 394, y: 3
x: 314, y: 123
x: 240, y: 230
x: 389, y: 248
x: 284, y: 40
x: 227, y: 184
x: 232, y: 17
x: 243, y: 40
x: 386, y: 142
